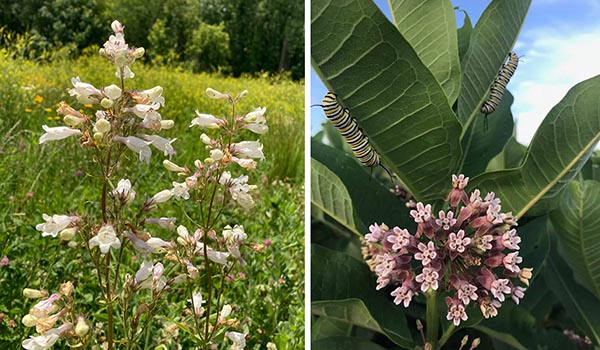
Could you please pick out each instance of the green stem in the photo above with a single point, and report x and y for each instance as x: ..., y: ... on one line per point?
x: 432, y: 319
x: 447, y: 334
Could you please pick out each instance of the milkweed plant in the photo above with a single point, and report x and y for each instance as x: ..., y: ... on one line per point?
x: 193, y: 262
x: 406, y: 261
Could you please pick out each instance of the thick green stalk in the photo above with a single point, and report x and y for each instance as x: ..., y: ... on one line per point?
x: 432, y: 319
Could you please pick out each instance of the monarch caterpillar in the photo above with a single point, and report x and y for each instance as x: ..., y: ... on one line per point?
x: 351, y: 132
x: 498, y: 87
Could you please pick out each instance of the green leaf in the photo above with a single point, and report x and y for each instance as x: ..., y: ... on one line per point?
x: 479, y: 147
x: 430, y: 28
x: 464, y: 35
x: 560, y: 147
x: 372, y: 202
x: 351, y: 311
x: 396, y: 100
x: 336, y: 276
x: 329, y: 195
x: 335, y: 138
x: 579, y: 303
x: 491, y: 40
x: 325, y: 327
x: 591, y: 169
x: 576, y: 221
x: 345, y: 343
x: 514, y: 153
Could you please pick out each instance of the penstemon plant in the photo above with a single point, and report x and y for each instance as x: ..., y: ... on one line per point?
x: 193, y: 264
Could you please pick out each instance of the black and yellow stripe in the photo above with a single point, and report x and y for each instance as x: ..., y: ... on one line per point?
x: 351, y: 132
x: 498, y: 86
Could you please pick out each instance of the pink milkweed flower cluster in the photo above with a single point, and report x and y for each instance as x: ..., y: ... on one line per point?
x: 127, y: 117
x: 470, y: 253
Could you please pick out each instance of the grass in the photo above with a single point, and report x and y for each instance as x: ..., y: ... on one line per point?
x: 52, y: 178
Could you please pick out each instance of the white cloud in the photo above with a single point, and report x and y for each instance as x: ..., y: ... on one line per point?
x: 555, y: 59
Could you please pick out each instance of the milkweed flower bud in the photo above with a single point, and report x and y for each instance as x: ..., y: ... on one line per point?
x: 34, y: 293
x: 212, y: 93
x: 57, y: 133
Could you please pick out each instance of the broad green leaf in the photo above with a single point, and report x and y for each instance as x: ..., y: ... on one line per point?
x: 539, y: 299
x: 479, y: 147
x: 329, y: 195
x: 560, y: 147
x: 491, y: 40
x: 464, y: 35
x: 325, y: 327
x: 351, y: 311
x: 579, y: 303
x: 372, y: 202
x: 514, y: 153
x: 430, y: 28
x: 336, y: 276
x: 396, y: 100
x: 577, y: 223
x: 591, y: 169
x: 335, y: 138
x: 345, y: 343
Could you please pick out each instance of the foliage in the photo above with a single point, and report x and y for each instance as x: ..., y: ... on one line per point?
x: 419, y: 103
x: 264, y: 35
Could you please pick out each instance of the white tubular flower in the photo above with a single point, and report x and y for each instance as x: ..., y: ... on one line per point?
x: 142, y: 276
x: 248, y: 149
x: 152, y: 120
x: 57, y: 133
x: 212, y: 93
x: 167, y: 223
x: 138, y: 244
x: 197, y: 302
x: 217, y: 257
x: 162, y: 196
x: 138, y: 146
x: 68, y: 233
x: 245, y: 163
x: 102, y: 125
x: 235, y: 234
x: 72, y: 120
x: 141, y: 110
x: 34, y: 293
x: 173, y: 167
x: 106, y: 238
x: 208, y: 121
x: 158, y: 245
x: 238, y: 339
x: 84, y: 92
x: 161, y: 143
x: 54, y: 224
x: 225, y: 311
x: 238, y: 188
x: 180, y: 190
x: 47, y: 340
x: 256, y: 116
x: 124, y: 191
x: 155, y: 95
x: 112, y: 91
x: 256, y: 128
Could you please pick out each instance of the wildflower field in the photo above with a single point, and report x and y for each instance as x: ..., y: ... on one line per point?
x: 266, y: 295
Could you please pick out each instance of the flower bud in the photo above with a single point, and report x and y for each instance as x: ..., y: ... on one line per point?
x: 102, y: 125
x: 34, y: 293
x: 29, y: 320
x: 243, y: 94
x: 72, y: 120
x: 67, y: 233
x: 216, y: 154
x: 226, y: 310
x: 209, y: 161
x: 205, y: 139
x: 212, y: 93
x: 98, y: 136
x: 139, y: 52
x: 166, y: 124
x: 72, y: 244
x: 81, y: 328
x: 113, y: 92
x: 162, y: 196
x: 116, y: 26
x: 172, y: 166
x: 106, y: 103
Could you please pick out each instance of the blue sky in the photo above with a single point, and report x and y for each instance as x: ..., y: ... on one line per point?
x: 560, y: 40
